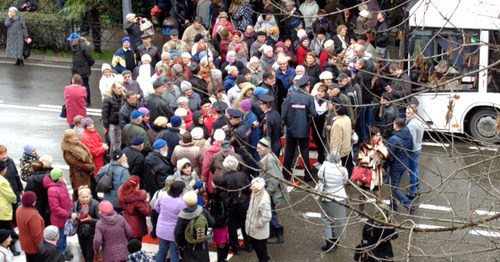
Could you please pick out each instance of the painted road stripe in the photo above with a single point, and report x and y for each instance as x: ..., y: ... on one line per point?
x: 486, y: 213
x: 313, y: 214
x: 435, y: 144
x: 424, y: 226
x: 483, y: 148
x: 49, y: 65
x: 58, y: 110
x: 94, y: 110
x: 484, y: 233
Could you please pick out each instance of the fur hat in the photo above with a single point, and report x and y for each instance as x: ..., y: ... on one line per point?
x: 190, y: 198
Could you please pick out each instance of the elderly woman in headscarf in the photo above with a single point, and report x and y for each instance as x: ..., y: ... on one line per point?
x: 258, y: 218
x: 333, y: 176
x: 280, y: 47
x: 267, y: 59
x: 79, y: 159
x: 377, y: 236
x: 240, y: 54
x: 255, y: 69
x: 16, y: 33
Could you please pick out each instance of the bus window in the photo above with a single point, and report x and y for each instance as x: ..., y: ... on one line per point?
x: 440, y: 56
x: 494, y: 57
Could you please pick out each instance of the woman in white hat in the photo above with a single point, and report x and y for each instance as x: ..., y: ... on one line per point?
x: 16, y: 33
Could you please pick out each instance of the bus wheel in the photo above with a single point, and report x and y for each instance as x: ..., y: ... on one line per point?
x: 483, y: 125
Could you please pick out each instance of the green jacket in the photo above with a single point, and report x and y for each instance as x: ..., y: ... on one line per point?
x: 132, y: 130
x: 271, y: 170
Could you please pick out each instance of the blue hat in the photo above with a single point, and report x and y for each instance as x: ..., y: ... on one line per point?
x: 136, y: 114
x: 219, y: 106
x: 202, y: 54
x: 73, y: 36
x: 266, y: 98
x: 233, y: 113
x: 260, y: 90
x: 159, y: 144
x: 126, y: 39
x: 176, y: 121
x: 296, y: 23
x: 292, y: 88
x: 28, y: 149
x: 137, y: 141
x: 303, y: 81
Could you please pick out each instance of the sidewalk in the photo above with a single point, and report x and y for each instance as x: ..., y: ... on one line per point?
x: 49, y: 60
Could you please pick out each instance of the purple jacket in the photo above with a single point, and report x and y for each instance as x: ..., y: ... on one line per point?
x: 112, y: 233
x: 59, y: 202
x: 169, y: 209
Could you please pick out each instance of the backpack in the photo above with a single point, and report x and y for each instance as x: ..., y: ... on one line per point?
x: 105, y: 183
x: 196, y: 230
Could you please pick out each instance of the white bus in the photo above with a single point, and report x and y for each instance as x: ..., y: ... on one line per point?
x: 466, y: 34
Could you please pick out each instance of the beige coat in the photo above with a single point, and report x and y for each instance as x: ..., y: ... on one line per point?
x: 371, y: 156
x: 340, y: 135
x: 259, y: 215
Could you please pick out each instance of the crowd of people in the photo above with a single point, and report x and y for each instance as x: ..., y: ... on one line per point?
x: 193, y: 133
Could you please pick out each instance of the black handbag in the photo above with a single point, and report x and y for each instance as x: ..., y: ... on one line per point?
x: 63, y: 111
x: 105, y: 183
x: 26, y: 50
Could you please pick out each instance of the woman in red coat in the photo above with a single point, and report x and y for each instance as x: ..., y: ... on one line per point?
x: 133, y: 201
x: 92, y: 140
x: 75, y: 96
x: 303, y: 50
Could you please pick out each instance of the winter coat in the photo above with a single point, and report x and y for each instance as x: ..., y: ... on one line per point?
x: 364, y: 80
x: 182, y: 10
x: 382, y: 35
x: 6, y: 254
x: 220, y: 208
x: 399, y: 146
x: 263, y: 23
x: 238, y: 182
x: 137, y: 167
x: 189, y: 151
x: 390, y: 114
x: 121, y: 57
x: 190, y: 32
x: 378, y: 240
x: 151, y: 51
x: 340, y: 135
x: 87, y: 229
x: 338, y: 43
x: 13, y: 177
x: 401, y: 87
x: 158, y: 106
x: 256, y: 73
x: 59, y: 201
x: 7, y: 199
x: 135, y: 208
x: 266, y: 62
x: 169, y: 208
x: 326, y: 24
x: 316, y: 45
x: 120, y: 175
x: 334, y: 177
x: 271, y: 171
x: 133, y: 85
x: 229, y: 82
x: 297, y: 110
x: 49, y: 252
x: 112, y: 233
x: 160, y: 168
x: 191, y: 252
x: 35, y: 184
x: 79, y: 159
x: 371, y: 156
x: 105, y: 84
x: 177, y: 176
x: 25, y: 164
x: 16, y: 32
x: 202, y: 9
x: 416, y: 127
x: 172, y: 137
x: 196, y: 116
x: 206, y: 175
x: 227, y: 25
x: 301, y: 54
x: 132, y: 130
x: 31, y: 226
x: 124, y: 114
x: 134, y: 32
x: 286, y: 78
x: 313, y: 71
x: 244, y: 16
x: 32, y: 5
x: 287, y: 24
x: 310, y: 11
x: 82, y: 59
x: 110, y: 110
x: 258, y: 215
x: 75, y: 97
x: 93, y: 141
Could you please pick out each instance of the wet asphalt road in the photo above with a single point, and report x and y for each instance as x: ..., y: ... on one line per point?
x: 454, y: 188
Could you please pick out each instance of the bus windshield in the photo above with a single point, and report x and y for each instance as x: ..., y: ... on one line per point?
x: 439, y: 56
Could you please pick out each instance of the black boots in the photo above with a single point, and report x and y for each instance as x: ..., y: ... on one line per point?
x: 18, y: 61
x: 278, y: 237
x: 329, y: 245
x: 222, y: 253
x: 13, y: 247
x: 21, y: 62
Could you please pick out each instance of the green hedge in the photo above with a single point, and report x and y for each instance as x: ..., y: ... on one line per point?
x: 45, y: 6
x: 48, y: 31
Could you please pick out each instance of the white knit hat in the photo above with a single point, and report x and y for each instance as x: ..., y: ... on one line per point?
x: 197, y: 133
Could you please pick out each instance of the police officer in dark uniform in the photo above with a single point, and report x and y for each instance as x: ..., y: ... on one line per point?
x: 220, y: 107
x: 241, y: 138
x: 298, y: 109
x: 271, y: 123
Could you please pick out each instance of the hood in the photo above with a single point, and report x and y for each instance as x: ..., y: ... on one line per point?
x: 105, y: 66
x: 190, y: 212
x: 181, y: 162
x: 403, y: 133
x: 214, y: 149
x: 109, y: 219
x: 245, y: 89
x: 186, y: 144
x: 196, y: 115
x: 157, y: 128
x: 133, y: 197
x: 47, y: 182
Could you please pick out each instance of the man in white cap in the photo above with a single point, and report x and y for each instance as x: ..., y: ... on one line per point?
x: 133, y: 28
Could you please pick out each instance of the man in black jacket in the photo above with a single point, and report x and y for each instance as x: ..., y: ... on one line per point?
x: 147, y: 49
x: 127, y: 108
x: 82, y: 60
x: 157, y: 105
x: 171, y: 135
x: 381, y: 36
x: 137, y: 164
x: 47, y: 250
x: 158, y: 163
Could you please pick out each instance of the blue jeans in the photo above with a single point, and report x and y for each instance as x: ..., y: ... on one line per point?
x: 395, y: 179
x: 274, y: 217
x: 165, y: 246
x: 413, y: 173
x: 61, y: 243
x: 365, y: 122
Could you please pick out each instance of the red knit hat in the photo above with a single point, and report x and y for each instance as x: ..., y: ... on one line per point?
x: 106, y: 208
x: 28, y: 199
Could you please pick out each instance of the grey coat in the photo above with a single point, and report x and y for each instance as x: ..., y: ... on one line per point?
x: 258, y: 216
x: 16, y: 32
x: 120, y: 175
x: 275, y: 188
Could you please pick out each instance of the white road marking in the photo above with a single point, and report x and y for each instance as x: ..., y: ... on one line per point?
x: 486, y: 213
x: 313, y: 214
x: 58, y: 110
x: 94, y: 110
x: 48, y: 65
x: 435, y: 144
x: 483, y: 148
x: 433, y: 207
x: 484, y: 233
x: 424, y: 226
